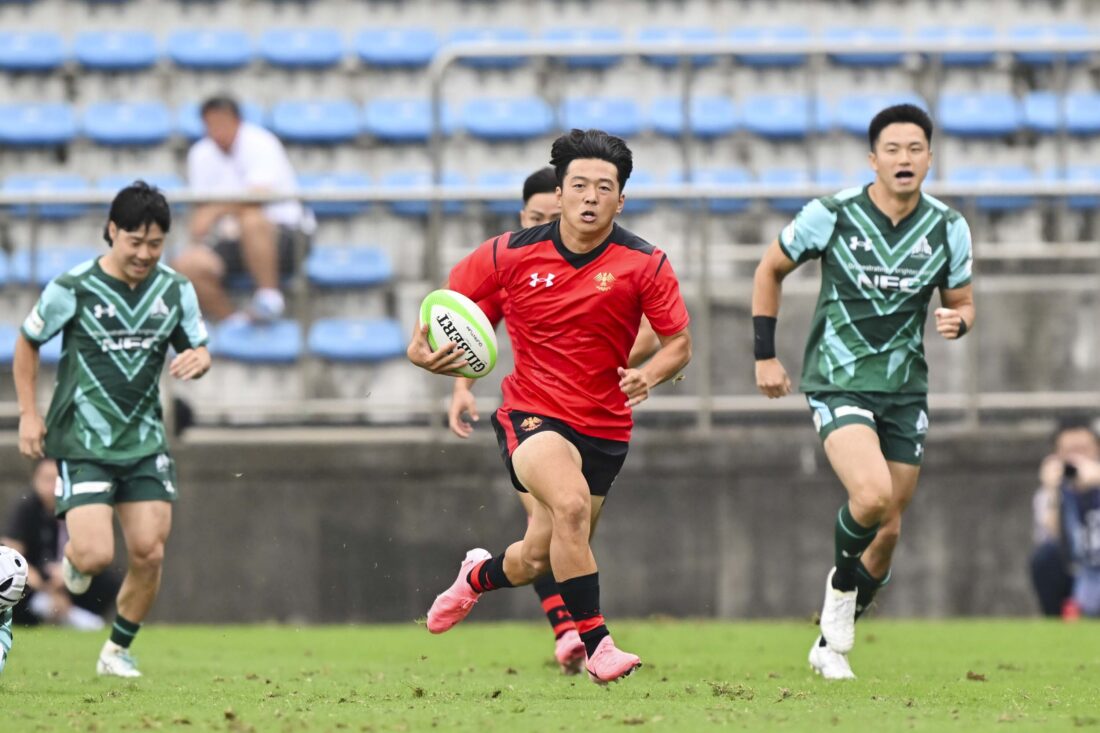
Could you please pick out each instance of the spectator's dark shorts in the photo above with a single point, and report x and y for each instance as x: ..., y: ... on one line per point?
x: 230, y: 252
x: 601, y: 459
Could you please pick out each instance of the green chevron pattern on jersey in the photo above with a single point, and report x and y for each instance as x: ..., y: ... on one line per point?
x: 867, y: 333
x: 106, y: 405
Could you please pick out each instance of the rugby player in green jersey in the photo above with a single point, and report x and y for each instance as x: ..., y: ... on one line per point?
x: 117, y: 314
x: 884, y: 248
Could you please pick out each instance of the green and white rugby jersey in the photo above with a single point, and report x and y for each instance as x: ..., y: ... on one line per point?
x: 106, y: 403
x: 876, y: 281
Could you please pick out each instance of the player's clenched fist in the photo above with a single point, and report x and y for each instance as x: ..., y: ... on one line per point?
x: 949, y: 323
x: 772, y: 379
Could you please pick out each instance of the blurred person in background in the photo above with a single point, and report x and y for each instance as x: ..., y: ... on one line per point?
x: 33, y: 530
x: 229, y: 240
x: 1065, y: 566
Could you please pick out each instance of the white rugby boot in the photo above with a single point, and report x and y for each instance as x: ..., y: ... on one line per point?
x: 829, y: 663
x: 838, y: 617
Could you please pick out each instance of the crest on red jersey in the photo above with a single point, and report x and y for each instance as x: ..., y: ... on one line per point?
x: 604, y: 281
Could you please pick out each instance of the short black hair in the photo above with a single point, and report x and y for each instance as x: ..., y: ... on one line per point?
x: 1071, y: 423
x: 544, y: 180
x: 899, y: 113
x: 580, y: 144
x: 221, y: 103
x: 136, y: 207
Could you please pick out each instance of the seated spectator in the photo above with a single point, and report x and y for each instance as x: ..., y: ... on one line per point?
x: 1080, y: 512
x: 1061, y: 505
x: 229, y: 240
x: 35, y: 532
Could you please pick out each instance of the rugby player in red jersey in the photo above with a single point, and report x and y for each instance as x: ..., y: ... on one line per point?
x: 577, y: 290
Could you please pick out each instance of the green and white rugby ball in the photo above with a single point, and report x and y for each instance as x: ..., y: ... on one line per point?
x: 451, y: 316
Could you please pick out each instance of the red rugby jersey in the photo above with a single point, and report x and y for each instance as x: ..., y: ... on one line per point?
x: 573, y: 318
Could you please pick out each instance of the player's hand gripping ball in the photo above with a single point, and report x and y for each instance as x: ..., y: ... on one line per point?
x: 451, y: 316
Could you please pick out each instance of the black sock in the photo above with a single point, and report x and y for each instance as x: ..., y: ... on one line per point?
x: 554, y: 605
x: 851, y: 539
x: 123, y: 631
x: 866, y: 587
x: 582, y: 598
x: 489, y: 575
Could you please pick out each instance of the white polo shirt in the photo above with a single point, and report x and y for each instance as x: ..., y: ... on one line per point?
x: 256, y: 160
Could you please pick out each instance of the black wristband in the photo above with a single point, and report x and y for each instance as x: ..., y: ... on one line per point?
x: 963, y: 328
x: 763, y: 337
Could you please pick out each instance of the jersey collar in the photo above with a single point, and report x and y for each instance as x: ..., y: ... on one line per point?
x: 883, y: 220
x: 121, y: 286
x: 580, y: 260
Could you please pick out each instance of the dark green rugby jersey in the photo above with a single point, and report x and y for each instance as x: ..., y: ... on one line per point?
x: 877, y: 279
x: 106, y: 404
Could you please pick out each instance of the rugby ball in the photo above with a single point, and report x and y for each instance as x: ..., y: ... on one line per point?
x: 451, y: 316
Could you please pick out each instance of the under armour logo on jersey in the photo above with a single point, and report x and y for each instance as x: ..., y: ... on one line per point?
x: 100, y: 310
x: 855, y: 243
x: 845, y: 553
x: 921, y: 248
x: 546, y: 281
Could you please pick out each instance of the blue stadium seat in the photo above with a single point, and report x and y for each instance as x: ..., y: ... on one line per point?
x: 853, y: 113
x: 664, y: 34
x: 1042, y: 112
x: 1085, y: 174
x: 724, y: 177
x: 169, y: 183
x: 995, y: 174
x: 4, y: 274
x: 316, y: 121
x: 772, y: 37
x: 210, y: 48
x: 189, y: 121
x: 787, y: 177
x: 988, y: 114
x: 961, y: 34
x: 348, y: 267
x: 47, y: 183
x: 405, y: 120
x: 27, y: 125
x: 368, y: 340
x: 275, y: 343
x: 127, y: 123
x: 586, y: 37
x: 420, y: 179
x: 396, y: 47
x: 710, y: 116
x: 778, y: 116
x: 115, y: 50
x: 638, y: 201
x: 312, y: 182
x: 302, y: 48
x: 619, y: 116
x: 1083, y: 113
x: 510, y: 180
x: 49, y: 263
x: 31, y: 51
x: 851, y: 37
x: 491, y: 35
x: 1062, y: 32
x: 507, y: 118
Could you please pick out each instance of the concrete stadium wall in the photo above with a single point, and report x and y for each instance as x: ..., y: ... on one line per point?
x: 738, y: 525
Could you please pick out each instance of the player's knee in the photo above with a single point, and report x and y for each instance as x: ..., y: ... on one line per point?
x: 871, y: 498
x: 147, y: 556
x: 536, y: 561
x: 92, y: 559
x: 572, y: 515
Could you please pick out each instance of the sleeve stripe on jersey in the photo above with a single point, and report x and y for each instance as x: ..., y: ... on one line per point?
x: 495, y: 243
x: 664, y: 259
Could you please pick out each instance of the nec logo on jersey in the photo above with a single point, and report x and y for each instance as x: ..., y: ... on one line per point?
x: 546, y: 281
x: 126, y: 343
x: 889, y: 282
x: 100, y: 310
x: 855, y: 243
x: 921, y: 249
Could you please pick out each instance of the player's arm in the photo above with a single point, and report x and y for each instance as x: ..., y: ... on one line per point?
x: 670, y: 359
x: 767, y: 291
x: 189, y: 338
x: 955, y: 317
x: 190, y: 363
x: 32, y: 428
x: 645, y: 345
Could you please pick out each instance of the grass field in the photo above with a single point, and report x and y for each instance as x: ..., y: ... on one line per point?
x: 698, y: 676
